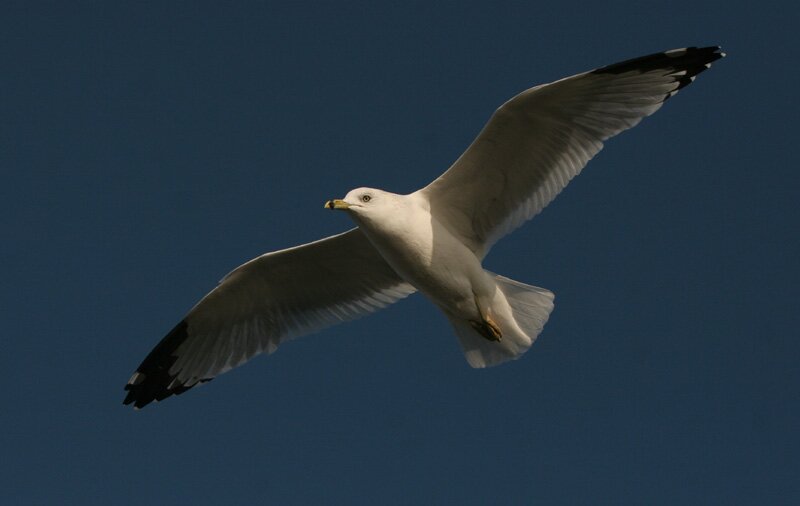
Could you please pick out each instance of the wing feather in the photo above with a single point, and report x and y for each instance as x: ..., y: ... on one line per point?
x: 535, y: 143
x: 263, y: 303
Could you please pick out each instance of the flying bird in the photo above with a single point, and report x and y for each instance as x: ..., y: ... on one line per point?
x: 432, y: 240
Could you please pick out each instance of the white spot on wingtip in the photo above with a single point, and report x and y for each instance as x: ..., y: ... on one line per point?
x: 676, y: 52
x: 136, y: 378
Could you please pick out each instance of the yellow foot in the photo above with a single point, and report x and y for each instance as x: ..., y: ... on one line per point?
x: 487, y: 328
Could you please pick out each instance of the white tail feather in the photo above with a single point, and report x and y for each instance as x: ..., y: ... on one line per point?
x: 530, y: 307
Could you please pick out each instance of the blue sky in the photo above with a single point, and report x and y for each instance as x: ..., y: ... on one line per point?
x: 148, y: 149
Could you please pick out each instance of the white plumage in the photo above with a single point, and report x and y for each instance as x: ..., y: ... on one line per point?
x: 432, y: 240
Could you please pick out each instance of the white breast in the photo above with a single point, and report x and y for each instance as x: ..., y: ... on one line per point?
x: 425, y: 254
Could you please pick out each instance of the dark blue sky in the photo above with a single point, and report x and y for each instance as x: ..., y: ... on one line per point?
x: 147, y: 149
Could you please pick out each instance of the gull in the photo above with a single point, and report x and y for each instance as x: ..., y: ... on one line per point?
x: 432, y: 240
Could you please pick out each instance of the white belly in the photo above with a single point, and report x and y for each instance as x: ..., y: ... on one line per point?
x: 427, y: 256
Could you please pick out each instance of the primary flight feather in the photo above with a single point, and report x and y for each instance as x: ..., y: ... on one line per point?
x: 432, y: 240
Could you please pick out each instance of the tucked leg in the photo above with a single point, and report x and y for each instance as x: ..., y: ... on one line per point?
x: 487, y: 328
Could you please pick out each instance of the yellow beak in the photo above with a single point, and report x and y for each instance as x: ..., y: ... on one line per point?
x: 336, y: 204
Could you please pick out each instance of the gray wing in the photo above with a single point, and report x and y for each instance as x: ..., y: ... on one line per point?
x: 535, y: 143
x: 266, y: 301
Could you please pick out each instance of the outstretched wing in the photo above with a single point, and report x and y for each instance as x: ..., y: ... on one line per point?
x: 535, y: 143
x: 266, y: 301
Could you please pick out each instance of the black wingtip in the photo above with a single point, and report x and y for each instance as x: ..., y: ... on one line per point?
x: 677, y: 59
x: 689, y: 60
x: 152, y: 380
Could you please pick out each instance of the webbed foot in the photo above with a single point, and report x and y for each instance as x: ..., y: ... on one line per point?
x: 487, y: 328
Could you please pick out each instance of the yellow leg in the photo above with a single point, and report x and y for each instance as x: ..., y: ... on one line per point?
x: 487, y: 328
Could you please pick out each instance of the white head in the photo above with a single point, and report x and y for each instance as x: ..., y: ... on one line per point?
x: 367, y: 203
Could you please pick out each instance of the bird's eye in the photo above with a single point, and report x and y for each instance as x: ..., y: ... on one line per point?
x: 366, y: 198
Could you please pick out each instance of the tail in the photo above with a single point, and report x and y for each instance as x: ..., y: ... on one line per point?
x: 520, y: 311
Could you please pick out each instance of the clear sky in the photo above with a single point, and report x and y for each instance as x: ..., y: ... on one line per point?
x: 148, y: 148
